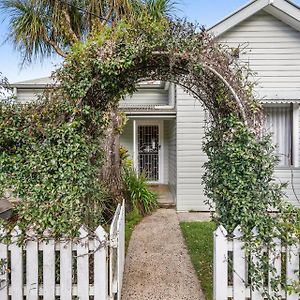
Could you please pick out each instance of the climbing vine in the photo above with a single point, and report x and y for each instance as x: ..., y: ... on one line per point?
x: 239, y: 183
x: 51, y: 154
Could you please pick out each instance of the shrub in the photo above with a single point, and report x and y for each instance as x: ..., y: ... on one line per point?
x: 139, y: 195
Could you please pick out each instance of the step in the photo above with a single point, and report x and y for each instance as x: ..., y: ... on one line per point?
x: 167, y: 205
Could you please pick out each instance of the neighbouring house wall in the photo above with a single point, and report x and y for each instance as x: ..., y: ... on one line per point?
x: 190, y: 156
x: 28, y: 95
x: 272, y: 51
x: 171, y: 127
x: 146, y: 96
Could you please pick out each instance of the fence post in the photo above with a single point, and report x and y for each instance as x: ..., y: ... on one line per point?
x: 48, y: 269
x: 100, y: 265
x: 32, y: 264
x: 275, y: 261
x: 220, y: 264
x: 239, y: 265
x: 255, y: 294
x: 66, y: 270
x: 16, y: 266
x: 3, y: 268
x: 121, y: 248
x: 83, y: 264
x: 292, y: 268
x: 113, y: 248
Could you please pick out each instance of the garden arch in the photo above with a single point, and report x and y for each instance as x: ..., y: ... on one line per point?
x: 118, y: 59
x: 107, y: 68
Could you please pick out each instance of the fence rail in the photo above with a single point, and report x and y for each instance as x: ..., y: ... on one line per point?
x: 66, y: 269
x: 231, y: 267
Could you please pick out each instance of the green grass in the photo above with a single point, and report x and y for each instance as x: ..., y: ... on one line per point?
x: 199, y: 240
x: 132, y: 219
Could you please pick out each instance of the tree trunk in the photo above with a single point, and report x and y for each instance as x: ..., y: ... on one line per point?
x: 111, y: 170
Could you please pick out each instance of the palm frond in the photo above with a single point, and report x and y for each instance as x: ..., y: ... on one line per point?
x: 27, y: 27
x: 160, y: 8
x: 39, y: 28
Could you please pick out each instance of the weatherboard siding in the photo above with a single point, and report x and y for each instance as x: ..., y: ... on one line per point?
x: 28, y: 95
x: 285, y: 176
x: 272, y: 50
x: 190, y: 159
x: 166, y: 148
x: 153, y: 96
x: 172, y: 158
x: 126, y: 138
x: 190, y: 156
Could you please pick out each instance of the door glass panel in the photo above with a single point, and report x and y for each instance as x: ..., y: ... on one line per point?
x: 148, y: 151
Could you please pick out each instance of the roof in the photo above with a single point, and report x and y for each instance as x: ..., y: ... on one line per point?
x: 284, y: 10
x: 45, y: 82
x: 34, y: 83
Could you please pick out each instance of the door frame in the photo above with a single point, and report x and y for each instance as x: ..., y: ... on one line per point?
x: 160, y: 124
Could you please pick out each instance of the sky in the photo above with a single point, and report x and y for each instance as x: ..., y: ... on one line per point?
x: 204, y: 12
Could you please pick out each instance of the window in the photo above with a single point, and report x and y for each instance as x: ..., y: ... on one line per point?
x: 279, y: 121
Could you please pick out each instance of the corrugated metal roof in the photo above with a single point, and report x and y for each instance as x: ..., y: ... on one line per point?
x: 279, y: 101
x: 146, y: 108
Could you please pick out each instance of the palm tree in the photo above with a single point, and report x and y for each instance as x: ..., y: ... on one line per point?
x: 40, y: 28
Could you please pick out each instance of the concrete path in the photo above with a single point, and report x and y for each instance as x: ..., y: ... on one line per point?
x: 194, y: 216
x: 157, y: 265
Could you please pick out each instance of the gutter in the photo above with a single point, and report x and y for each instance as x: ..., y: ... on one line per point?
x: 31, y: 86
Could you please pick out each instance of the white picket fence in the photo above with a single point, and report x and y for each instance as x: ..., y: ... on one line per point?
x: 89, y: 267
x: 231, y: 280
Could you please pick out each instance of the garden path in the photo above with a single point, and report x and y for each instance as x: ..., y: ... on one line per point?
x: 158, y: 266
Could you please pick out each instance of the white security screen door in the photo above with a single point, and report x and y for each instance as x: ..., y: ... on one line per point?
x: 148, y: 151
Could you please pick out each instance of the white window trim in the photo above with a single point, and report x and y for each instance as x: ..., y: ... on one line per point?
x: 295, y: 136
x: 295, y: 133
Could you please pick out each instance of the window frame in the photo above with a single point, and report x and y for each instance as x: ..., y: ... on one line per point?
x: 294, y: 138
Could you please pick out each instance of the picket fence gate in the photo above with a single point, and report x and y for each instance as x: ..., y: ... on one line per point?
x: 90, y: 268
x: 231, y: 267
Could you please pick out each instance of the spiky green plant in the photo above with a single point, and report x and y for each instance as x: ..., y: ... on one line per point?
x: 139, y: 194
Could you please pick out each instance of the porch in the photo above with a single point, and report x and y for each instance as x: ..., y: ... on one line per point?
x: 151, y: 144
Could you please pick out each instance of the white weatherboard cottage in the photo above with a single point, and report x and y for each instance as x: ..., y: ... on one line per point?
x: 166, y: 126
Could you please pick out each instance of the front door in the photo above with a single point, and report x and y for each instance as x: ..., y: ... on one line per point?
x: 148, y: 144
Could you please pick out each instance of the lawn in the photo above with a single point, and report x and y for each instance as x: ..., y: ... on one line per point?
x: 199, y: 240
